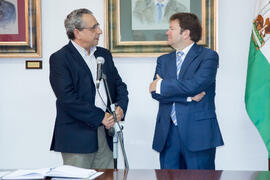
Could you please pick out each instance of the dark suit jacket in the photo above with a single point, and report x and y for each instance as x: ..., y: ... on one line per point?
x: 197, y: 121
x: 77, y: 117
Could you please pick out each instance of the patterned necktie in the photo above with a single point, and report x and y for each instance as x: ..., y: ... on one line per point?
x: 159, y: 11
x: 179, y: 62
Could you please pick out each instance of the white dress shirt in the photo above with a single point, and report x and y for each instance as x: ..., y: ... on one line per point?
x: 91, y: 62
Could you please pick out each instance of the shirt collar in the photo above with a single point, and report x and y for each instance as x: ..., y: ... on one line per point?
x: 186, y: 49
x: 165, y: 2
x: 82, y: 51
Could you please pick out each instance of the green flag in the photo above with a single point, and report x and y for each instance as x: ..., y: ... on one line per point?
x: 257, y: 97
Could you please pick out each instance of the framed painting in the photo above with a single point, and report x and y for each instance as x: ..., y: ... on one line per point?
x: 138, y: 27
x: 20, y: 28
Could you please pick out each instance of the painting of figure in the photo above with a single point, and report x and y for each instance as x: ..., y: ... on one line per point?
x: 155, y: 14
x: 8, y: 17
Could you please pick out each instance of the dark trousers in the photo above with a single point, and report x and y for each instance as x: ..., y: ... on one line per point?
x: 176, y: 156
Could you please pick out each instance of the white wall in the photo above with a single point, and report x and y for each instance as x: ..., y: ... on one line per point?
x: 27, y: 103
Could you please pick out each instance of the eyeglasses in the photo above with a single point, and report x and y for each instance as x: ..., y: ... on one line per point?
x: 93, y: 28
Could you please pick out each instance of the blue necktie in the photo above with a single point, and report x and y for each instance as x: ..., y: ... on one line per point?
x: 159, y: 11
x: 179, y: 62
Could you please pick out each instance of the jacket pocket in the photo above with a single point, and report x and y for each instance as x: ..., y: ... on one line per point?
x: 203, y: 115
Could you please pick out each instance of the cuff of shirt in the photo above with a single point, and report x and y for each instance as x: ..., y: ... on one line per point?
x: 189, y: 99
x: 158, y: 85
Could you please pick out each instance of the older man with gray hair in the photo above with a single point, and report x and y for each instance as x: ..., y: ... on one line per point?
x: 83, y: 120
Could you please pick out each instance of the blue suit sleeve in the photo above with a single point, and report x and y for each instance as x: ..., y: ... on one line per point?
x: 203, y: 78
x: 166, y: 99
x: 67, y: 97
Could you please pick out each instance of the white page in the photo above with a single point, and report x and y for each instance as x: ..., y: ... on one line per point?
x: 27, y: 174
x: 71, y: 172
x: 89, y: 178
x: 2, y: 173
x: 63, y: 172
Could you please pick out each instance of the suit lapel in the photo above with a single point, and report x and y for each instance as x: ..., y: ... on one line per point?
x: 192, y: 54
x: 78, y: 58
x: 171, y: 68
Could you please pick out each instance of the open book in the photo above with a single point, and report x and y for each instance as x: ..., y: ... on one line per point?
x: 59, y: 172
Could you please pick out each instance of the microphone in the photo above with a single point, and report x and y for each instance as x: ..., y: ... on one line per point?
x: 100, y: 62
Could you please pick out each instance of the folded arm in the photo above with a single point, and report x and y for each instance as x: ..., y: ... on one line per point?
x: 203, y: 78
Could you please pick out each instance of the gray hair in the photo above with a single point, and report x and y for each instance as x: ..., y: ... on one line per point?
x: 74, y: 21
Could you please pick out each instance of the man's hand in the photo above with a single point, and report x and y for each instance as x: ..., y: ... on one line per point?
x: 119, y: 113
x: 198, y: 97
x: 153, y: 84
x: 108, y: 121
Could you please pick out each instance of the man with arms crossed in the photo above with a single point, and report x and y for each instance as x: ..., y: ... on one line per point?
x: 82, y: 123
x: 187, y: 131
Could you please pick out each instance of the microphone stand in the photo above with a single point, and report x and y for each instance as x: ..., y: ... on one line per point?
x: 118, y: 134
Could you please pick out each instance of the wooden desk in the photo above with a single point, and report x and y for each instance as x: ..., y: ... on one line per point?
x: 183, y: 175
x: 110, y: 174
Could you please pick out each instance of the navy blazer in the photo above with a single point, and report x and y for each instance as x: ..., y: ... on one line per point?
x: 197, y: 121
x: 78, y: 118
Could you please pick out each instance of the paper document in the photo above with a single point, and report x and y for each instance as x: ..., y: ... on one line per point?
x: 90, y: 178
x: 2, y: 173
x: 71, y: 172
x: 60, y: 172
x: 27, y: 174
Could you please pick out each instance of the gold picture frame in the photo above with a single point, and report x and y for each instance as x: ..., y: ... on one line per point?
x: 25, y: 41
x: 123, y: 41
